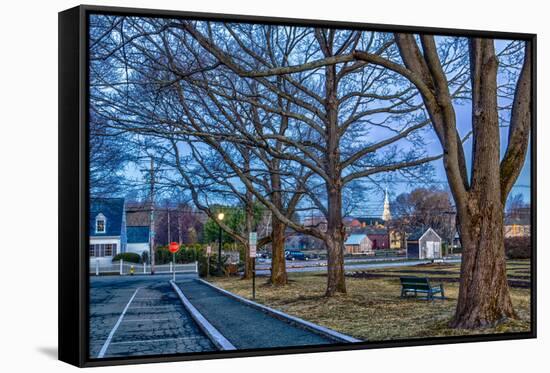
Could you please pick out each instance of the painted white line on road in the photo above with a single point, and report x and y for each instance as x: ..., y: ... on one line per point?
x: 146, y: 298
x: 157, y: 340
x: 152, y: 320
x: 112, y: 333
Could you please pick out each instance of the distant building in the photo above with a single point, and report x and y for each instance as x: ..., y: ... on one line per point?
x: 358, y: 244
x: 386, y: 214
x: 364, y: 222
x: 517, y: 225
x: 107, y: 229
x: 319, y: 222
x: 379, y: 237
x: 457, y: 243
x: 424, y: 244
x: 396, y: 239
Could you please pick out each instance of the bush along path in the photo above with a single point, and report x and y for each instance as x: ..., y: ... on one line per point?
x: 245, y: 326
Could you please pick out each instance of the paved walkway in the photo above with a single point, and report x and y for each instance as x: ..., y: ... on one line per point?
x: 140, y: 315
x: 244, y: 326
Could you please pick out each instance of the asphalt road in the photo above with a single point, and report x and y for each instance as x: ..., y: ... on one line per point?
x: 140, y: 315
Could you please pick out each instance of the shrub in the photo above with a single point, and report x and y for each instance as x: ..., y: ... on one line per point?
x: 128, y: 257
x: 517, y: 247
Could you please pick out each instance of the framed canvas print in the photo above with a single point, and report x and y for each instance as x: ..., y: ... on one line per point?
x: 237, y: 186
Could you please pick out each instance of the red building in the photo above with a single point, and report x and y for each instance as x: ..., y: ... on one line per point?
x: 379, y: 237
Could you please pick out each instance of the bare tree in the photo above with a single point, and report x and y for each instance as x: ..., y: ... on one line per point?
x: 480, y: 196
x: 192, y: 80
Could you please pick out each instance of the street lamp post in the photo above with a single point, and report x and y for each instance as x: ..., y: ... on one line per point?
x: 220, y: 219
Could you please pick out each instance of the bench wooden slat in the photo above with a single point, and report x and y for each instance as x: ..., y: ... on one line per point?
x: 420, y: 285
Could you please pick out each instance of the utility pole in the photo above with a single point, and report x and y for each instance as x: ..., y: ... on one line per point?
x: 152, y: 216
x: 168, y: 221
x: 179, y: 226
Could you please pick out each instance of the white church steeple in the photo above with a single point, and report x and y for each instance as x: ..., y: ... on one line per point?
x: 386, y: 215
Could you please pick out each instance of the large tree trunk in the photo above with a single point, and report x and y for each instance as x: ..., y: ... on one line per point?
x: 249, y: 220
x: 335, y: 234
x: 278, y: 263
x: 335, y: 244
x: 484, y: 296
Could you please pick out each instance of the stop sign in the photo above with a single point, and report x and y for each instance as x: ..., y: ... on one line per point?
x: 173, y: 247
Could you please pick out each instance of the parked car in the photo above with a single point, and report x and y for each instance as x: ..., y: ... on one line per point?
x: 295, y: 255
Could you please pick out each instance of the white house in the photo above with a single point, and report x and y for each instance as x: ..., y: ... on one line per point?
x: 107, y: 223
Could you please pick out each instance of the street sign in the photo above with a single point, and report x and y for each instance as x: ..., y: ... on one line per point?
x: 173, y: 247
x: 253, y: 238
x: 253, y: 251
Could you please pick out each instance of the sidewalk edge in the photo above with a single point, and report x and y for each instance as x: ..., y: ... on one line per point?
x: 321, y: 330
x: 215, y: 336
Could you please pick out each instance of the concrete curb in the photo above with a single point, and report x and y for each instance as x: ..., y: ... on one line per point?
x: 320, y: 330
x: 215, y: 336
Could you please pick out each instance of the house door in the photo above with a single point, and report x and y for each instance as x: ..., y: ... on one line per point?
x: 437, y: 249
x: 430, y: 249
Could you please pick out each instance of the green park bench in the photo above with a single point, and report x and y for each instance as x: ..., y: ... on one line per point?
x: 421, y: 285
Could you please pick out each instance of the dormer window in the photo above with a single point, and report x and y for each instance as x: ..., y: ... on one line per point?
x: 100, y: 223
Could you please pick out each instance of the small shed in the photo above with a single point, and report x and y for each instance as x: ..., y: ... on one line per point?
x: 424, y: 244
x: 358, y: 244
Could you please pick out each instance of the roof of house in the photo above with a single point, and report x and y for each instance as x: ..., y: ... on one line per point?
x: 417, y: 234
x: 138, y: 234
x: 373, y: 231
x: 355, y: 239
x: 112, y: 209
x: 371, y: 221
x: 138, y: 214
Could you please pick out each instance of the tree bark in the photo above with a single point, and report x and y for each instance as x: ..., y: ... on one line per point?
x: 278, y: 261
x: 484, y: 297
x: 278, y: 264
x: 335, y: 234
x: 335, y: 244
x: 249, y: 219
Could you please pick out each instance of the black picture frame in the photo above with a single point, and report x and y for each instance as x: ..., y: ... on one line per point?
x: 73, y: 187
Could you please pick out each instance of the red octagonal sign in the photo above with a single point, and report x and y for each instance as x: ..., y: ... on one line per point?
x: 174, y: 247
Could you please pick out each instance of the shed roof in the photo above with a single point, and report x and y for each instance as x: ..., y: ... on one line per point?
x: 417, y: 234
x: 355, y: 239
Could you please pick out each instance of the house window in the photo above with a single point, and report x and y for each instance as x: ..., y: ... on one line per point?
x: 110, y: 248
x: 103, y: 250
x: 100, y: 223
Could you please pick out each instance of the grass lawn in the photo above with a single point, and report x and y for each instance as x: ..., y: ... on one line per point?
x: 372, y: 309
